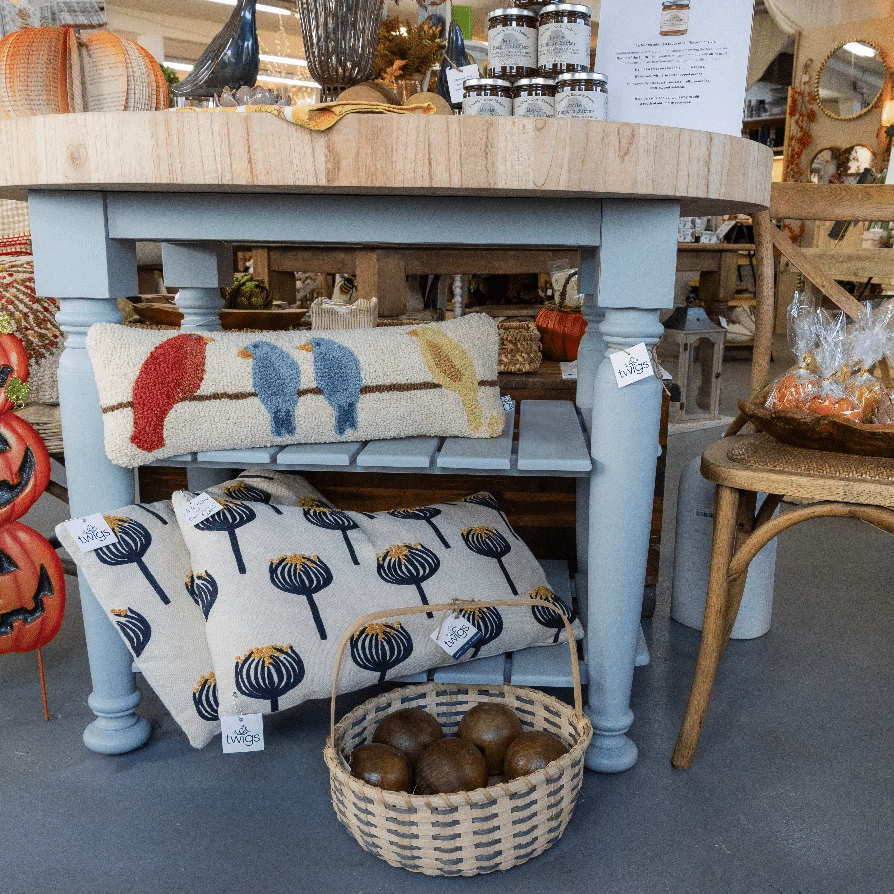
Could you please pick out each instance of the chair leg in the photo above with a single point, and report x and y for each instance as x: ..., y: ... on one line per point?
x: 726, y: 505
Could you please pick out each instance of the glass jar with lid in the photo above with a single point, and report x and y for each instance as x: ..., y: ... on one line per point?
x: 512, y: 43
x: 487, y: 96
x: 582, y: 94
x: 563, y: 39
x: 674, y: 18
x: 534, y: 98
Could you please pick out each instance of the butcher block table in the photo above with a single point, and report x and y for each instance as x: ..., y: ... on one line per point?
x: 200, y: 181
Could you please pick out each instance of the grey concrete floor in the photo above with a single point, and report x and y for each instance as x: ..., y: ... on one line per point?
x: 792, y: 790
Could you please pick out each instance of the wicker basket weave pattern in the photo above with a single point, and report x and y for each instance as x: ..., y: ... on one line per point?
x: 462, y: 833
x: 520, y: 350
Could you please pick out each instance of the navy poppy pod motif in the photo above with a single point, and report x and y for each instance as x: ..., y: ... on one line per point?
x: 133, y: 542
x: 302, y: 576
x: 408, y: 564
x: 422, y: 513
x: 134, y: 627
x: 269, y: 672
x: 333, y: 520
x: 381, y: 647
x: 202, y: 589
x: 488, y: 621
x: 546, y: 616
x: 248, y: 493
x: 483, y: 498
x: 233, y: 514
x: 490, y: 543
x: 205, y: 699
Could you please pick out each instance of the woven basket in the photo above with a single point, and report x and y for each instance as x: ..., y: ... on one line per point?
x: 520, y: 350
x: 464, y: 833
x: 361, y: 314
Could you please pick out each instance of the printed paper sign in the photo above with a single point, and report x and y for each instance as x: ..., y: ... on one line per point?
x: 242, y: 732
x: 91, y: 532
x: 198, y: 509
x: 677, y: 65
x: 456, y: 636
x: 456, y: 77
x: 632, y: 365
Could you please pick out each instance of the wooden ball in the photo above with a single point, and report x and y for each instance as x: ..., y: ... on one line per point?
x: 531, y: 751
x: 490, y: 727
x: 382, y: 766
x: 370, y: 91
x: 410, y: 730
x: 450, y: 765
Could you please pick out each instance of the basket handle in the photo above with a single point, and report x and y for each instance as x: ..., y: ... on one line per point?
x: 455, y: 606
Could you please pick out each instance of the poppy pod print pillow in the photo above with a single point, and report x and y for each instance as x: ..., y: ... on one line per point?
x: 158, y: 604
x: 289, y: 580
x: 164, y: 393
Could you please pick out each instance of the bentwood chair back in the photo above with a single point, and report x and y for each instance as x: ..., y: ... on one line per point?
x: 808, y: 483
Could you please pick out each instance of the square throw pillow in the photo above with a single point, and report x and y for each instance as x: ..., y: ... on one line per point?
x: 290, y: 580
x: 158, y: 605
x: 165, y: 393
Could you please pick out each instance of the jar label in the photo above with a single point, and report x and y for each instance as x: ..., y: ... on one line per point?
x: 493, y: 106
x: 582, y: 105
x: 533, y: 107
x: 563, y: 43
x: 511, y: 45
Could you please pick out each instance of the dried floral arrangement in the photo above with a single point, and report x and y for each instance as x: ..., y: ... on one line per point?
x: 405, y: 50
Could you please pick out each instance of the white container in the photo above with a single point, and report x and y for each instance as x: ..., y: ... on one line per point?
x: 511, y: 43
x: 692, y: 558
x: 487, y: 96
x: 581, y: 94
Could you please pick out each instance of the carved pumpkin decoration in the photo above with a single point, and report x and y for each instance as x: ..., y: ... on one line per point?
x: 32, y: 589
x: 52, y: 69
x: 24, y: 467
x: 13, y: 362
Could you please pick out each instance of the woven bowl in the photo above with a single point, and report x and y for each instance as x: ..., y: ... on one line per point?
x: 462, y: 833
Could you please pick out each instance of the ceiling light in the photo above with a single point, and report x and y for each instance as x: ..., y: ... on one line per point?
x: 261, y: 7
x: 859, y: 49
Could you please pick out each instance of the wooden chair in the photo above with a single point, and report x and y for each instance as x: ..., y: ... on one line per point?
x: 818, y: 483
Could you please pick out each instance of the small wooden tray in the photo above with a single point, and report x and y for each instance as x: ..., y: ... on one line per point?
x: 171, y: 315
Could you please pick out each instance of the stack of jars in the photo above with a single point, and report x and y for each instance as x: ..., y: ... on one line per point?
x: 538, y: 65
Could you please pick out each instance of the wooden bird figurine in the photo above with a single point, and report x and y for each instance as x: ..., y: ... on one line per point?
x: 452, y: 368
x: 231, y: 59
x: 173, y: 371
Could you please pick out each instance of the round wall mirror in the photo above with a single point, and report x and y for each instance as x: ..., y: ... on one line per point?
x: 834, y: 165
x: 850, y: 80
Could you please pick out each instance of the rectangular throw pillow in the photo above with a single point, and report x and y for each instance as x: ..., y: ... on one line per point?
x: 164, y: 393
x: 145, y: 584
x: 290, y: 580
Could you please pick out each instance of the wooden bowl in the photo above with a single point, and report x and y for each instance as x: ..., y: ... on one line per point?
x: 171, y: 315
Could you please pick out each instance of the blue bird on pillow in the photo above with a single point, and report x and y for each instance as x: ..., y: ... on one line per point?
x: 337, y: 371
x: 276, y: 378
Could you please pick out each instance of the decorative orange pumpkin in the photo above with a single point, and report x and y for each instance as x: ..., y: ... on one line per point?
x: 13, y: 364
x: 24, y: 467
x: 49, y: 70
x: 32, y: 589
x: 560, y: 333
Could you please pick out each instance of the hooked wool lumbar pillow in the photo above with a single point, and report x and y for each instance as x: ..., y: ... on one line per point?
x: 158, y: 605
x: 290, y: 582
x: 165, y: 393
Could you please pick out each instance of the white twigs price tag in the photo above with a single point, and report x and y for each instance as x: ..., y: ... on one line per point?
x: 456, y: 77
x: 198, y: 509
x: 91, y: 532
x: 242, y: 732
x: 456, y: 636
x: 632, y: 365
